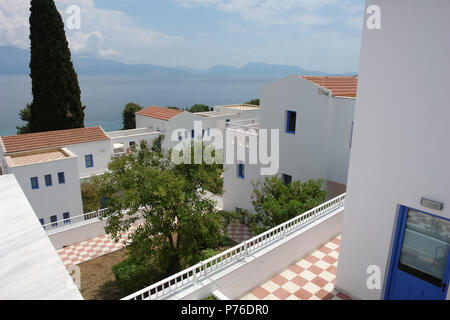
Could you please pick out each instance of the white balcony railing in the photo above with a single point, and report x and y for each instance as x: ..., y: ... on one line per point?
x: 201, y: 270
x: 73, y: 222
x: 246, y: 125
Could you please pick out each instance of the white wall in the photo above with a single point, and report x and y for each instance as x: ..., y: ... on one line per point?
x: 318, y: 150
x: 101, y: 152
x: 400, y: 146
x: 148, y: 122
x: 341, y: 116
x: 55, y: 199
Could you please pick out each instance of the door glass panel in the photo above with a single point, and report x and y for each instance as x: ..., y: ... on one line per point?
x: 425, y: 247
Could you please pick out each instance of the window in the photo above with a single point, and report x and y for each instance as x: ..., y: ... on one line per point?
x: 132, y: 143
x: 203, y: 132
x: 53, y: 220
x: 241, y: 171
x: 193, y: 134
x: 61, y: 178
x: 180, y: 136
x: 89, y: 160
x: 291, y: 117
x: 227, y: 122
x: 34, y: 183
x: 48, y: 180
x: 66, y: 217
x: 42, y: 221
x: 287, y: 179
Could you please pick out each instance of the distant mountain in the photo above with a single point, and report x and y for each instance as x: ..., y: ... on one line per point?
x: 16, y: 61
x: 263, y: 69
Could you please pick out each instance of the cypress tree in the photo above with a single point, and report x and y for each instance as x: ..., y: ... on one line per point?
x: 56, y: 94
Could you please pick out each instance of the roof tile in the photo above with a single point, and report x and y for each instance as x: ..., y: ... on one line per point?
x: 50, y: 139
x: 339, y: 86
x: 159, y: 112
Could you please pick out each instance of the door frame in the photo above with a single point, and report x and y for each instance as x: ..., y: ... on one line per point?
x: 396, y: 249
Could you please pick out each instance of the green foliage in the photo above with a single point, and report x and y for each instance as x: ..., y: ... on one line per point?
x: 199, y: 108
x: 90, y: 196
x: 254, y: 102
x: 132, y: 276
x: 25, y: 115
x: 56, y: 94
x: 129, y: 115
x: 275, y: 202
x: 210, y: 298
x: 205, y: 176
x: 178, y: 221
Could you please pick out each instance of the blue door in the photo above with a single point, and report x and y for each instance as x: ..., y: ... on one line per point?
x: 420, y: 262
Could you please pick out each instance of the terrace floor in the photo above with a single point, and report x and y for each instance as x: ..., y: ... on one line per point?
x: 311, y: 278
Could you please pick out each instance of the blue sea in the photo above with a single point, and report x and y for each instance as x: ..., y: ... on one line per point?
x: 106, y: 96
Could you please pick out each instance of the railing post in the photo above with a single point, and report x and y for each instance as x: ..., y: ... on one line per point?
x: 245, y: 250
x: 195, y: 275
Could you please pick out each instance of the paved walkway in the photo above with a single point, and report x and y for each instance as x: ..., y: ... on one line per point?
x: 311, y: 278
x: 91, y: 249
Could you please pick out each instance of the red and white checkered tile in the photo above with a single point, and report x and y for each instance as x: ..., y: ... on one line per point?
x: 311, y: 278
x: 91, y: 249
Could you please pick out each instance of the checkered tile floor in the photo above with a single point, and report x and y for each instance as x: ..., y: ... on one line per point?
x: 311, y: 278
x: 91, y: 249
x: 239, y: 232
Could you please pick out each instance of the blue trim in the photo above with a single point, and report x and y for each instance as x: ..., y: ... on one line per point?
x: 89, y: 160
x: 48, y: 180
x: 397, y: 247
x: 240, y: 171
x: 34, y: 183
x: 61, y: 178
x: 288, y: 120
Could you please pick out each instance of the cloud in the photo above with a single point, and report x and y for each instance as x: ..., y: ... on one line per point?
x: 105, y: 33
x: 272, y: 12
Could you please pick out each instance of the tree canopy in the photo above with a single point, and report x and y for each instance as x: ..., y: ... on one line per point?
x: 254, y: 102
x: 276, y: 202
x: 199, y: 108
x: 129, y: 115
x: 56, y: 94
x: 177, y: 221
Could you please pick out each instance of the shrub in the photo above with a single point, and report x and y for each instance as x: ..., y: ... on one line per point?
x: 131, y: 276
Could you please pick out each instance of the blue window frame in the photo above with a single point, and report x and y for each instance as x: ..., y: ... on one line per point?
x: 420, y: 263
x: 34, y: 183
x: 241, y: 171
x: 291, y: 121
x: 61, y: 178
x: 193, y: 134
x: 66, y: 217
x: 42, y: 221
x: 89, y: 160
x: 287, y: 179
x: 53, y: 220
x: 203, y: 132
x: 48, y: 180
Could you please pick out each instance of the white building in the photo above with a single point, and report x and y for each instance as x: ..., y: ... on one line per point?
x: 400, y: 157
x: 179, y: 125
x: 30, y: 268
x: 314, y: 116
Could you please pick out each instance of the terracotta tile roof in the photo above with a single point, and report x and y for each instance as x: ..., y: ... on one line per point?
x: 159, y: 113
x: 339, y: 86
x: 49, y: 139
x: 38, y: 157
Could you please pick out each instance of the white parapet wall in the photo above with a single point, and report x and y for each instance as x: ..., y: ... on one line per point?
x: 238, y: 270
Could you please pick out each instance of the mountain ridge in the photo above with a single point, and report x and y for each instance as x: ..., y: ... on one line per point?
x: 16, y: 61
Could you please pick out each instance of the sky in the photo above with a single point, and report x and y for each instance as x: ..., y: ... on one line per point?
x: 320, y: 35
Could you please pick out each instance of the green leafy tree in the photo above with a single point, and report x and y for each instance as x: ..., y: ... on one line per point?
x: 254, y: 102
x: 276, y: 202
x: 178, y: 221
x: 129, y: 115
x: 199, y: 108
x: 56, y: 94
x: 25, y: 115
x: 90, y: 195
